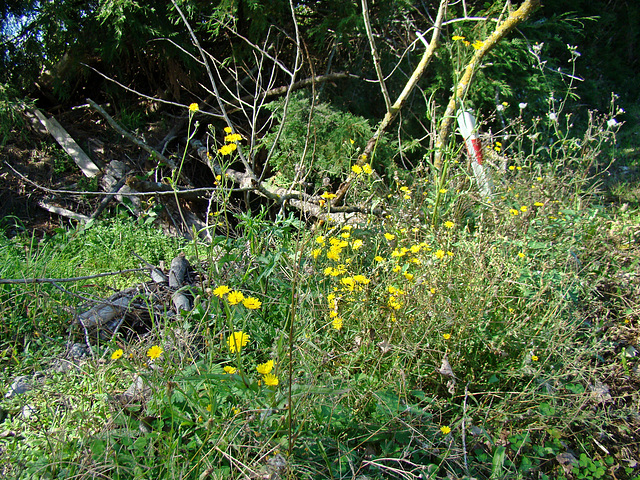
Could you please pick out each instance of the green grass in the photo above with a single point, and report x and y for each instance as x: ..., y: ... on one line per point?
x: 475, y: 348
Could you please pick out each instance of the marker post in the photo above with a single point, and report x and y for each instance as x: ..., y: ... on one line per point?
x: 468, y: 130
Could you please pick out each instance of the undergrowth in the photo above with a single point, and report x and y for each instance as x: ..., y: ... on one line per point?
x: 451, y: 337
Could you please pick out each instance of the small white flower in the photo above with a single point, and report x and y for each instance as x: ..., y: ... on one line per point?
x: 612, y: 122
x: 500, y: 107
x: 553, y: 117
x: 522, y: 105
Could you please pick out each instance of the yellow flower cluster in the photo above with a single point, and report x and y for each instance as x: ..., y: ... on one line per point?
x: 366, y: 168
x: 232, y: 140
x: 235, y: 297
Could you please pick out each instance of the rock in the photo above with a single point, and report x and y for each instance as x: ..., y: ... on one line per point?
x: 19, y: 386
x: 78, y: 351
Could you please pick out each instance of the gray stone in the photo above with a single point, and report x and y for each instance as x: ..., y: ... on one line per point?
x: 19, y: 386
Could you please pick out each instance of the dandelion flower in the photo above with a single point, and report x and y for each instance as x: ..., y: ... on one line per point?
x: 154, y: 352
x: 513, y: 211
x: 477, y: 45
x: 449, y: 224
x: 456, y: 38
x: 366, y: 168
x: 446, y: 336
x: 337, y: 323
x: 378, y: 258
x: 524, y: 208
x: 235, y: 297
x: 265, y: 368
x: 538, y: 204
x: 357, y: 169
x: 521, y: 255
x: 228, y: 129
x: 270, y: 380
x: 315, y: 253
x: 439, y: 254
x: 445, y: 430
x: 237, y: 340
x: 194, y: 107
x: 221, y: 290
x: 389, y: 236
x: 117, y: 354
x: 230, y: 370
x: 252, y: 303
x: 320, y: 239
x: 408, y: 276
x: 443, y: 190
x: 357, y: 244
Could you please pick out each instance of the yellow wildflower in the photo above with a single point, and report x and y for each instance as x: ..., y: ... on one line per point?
x: 445, y: 430
x: 389, y: 236
x: 538, y: 204
x: 234, y: 137
x: 230, y: 370
x: 357, y: 244
x: 270, y: 380
x: 237, y: 340
x: 357, y: 169
x: 337, y: 323
x: 117, y: 354
x: 265, y: 368
x: 378, y: 258
x: 194, y: 107
x: 228, y: 129
x: 366, y: 168
x: 316, y: 252
x: 449, y: 224
x: 446, y: 336
x: 154, y: 352
x: 252, y: 303
x: 534, y: 358
x: 227, y: 149
x: 456, y: 38
x: 439, y: 254
x: 477, y: 45
x: 235, y: 297
x: 524, y: 208
x: 221, y: 290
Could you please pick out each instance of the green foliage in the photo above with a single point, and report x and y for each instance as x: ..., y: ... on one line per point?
x: 320, y: 141
x: 11, y: 121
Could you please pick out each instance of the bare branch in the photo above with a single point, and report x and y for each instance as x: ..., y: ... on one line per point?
x: 374, y: 54
x: 7, y: 281
x: 130, y: 137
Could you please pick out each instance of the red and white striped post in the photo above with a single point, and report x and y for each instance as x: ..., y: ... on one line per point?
x: 468, y: 130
